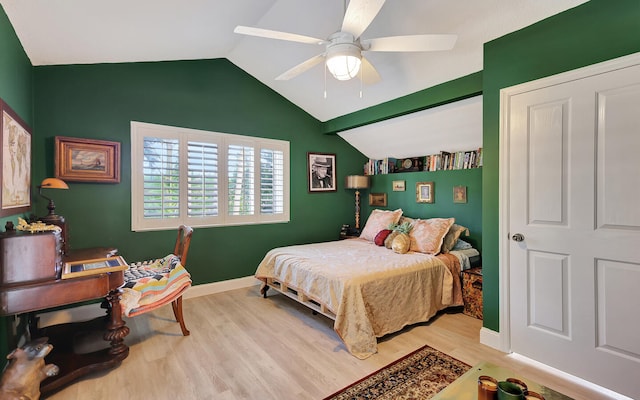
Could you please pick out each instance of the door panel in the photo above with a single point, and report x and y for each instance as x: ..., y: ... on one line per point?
x: 574, y: 184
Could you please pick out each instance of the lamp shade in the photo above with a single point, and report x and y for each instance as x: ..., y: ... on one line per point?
x: 356, y: 182
x: 343, y: 61
x: 54, y: 183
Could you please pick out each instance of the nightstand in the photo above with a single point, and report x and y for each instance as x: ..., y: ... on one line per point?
x: 472, y: 292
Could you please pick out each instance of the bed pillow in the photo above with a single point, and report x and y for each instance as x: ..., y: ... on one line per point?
x: 452, y: 237
x: 381, y: 237
x: 379, y: 220
x: 461, y: 245
x: 427, y: 234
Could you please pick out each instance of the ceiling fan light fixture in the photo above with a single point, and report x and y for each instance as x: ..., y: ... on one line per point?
x: 343, y: 61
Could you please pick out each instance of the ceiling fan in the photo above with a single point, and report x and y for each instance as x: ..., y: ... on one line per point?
x: 343, y: 51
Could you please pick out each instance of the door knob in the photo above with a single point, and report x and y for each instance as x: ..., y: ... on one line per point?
x: 517, y: 237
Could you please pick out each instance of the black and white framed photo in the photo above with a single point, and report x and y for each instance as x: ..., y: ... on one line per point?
x: 321, y: 172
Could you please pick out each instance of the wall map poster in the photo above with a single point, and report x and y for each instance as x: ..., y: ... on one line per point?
x: 16, y: 163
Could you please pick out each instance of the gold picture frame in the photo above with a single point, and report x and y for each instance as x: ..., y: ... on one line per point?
x: 425, y: 192
x: 95, y: 266
x: 460, y: 194
x: 87, y: 160
x: 16, y: 163
x: 378, y: 199
x: 398, y: 186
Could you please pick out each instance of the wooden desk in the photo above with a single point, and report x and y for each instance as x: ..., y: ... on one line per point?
x: 35, y: 296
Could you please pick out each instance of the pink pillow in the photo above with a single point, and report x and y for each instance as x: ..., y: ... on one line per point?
x: 427, y: 234
x: 379, y: 220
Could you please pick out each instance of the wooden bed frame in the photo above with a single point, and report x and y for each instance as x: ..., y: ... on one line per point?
x: 315, y: 305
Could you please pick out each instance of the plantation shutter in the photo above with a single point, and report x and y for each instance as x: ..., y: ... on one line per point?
x: 241, y: 180
x: 202, y: 178
x: 271, y: 182
x: 161, y: 181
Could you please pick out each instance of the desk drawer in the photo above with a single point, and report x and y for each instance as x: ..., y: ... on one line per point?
x: 26, y: 298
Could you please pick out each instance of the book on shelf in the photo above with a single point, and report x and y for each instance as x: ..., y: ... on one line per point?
x: 75, y: 269
x: 443, y: 161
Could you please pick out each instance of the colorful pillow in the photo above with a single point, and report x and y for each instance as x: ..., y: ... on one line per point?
x: 381, y: 237
x: 379, y: 220
x: 452, y: 236
x: 427, y: 234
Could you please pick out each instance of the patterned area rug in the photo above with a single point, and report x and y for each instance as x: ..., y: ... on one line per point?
x: 418, y: 375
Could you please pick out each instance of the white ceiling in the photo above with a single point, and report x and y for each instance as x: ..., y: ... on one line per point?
x: 92, y: 31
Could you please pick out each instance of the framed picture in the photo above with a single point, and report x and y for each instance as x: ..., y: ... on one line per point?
x: 92, y: 267
x: 459, y: 194
x: 321, y: 172
x: 87, y: 160
x: 398, y: 186
x: 378, y: 199
x: 425, y: 192
x: 16, y: 163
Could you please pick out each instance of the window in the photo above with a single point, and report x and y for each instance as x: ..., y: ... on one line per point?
x: 199, y: 178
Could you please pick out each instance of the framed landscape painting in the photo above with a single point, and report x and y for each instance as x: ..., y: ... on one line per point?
x: 87, y: 160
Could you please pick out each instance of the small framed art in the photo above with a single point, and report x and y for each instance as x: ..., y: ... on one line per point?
x: 459, y: 194
x: 92, y: 267
x: 321, y: 175
x: 87, y: 160
x: 398, y: 186
x: 378, y: 199
x: 425, y: 192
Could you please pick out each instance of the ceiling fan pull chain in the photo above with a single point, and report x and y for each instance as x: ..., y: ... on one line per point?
x: 325, y: 81
x: 361, y: 73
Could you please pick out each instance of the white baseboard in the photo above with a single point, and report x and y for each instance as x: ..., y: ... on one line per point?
x: 90, y: 311
x: 606, y: 393
x: 223, y: 286
x: 491, y: 338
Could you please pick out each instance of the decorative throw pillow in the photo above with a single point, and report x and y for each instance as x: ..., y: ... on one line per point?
x: 381, y: 237
x: 427, y: 234
x: 452, y: 236
x: 379, y: 220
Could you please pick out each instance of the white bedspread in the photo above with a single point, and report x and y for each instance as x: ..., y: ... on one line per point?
x: 371, y: 290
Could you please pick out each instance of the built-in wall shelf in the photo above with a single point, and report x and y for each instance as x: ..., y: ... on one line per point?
x: 442, y: 161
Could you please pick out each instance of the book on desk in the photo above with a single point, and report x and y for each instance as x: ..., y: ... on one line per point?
x: 74, y: 269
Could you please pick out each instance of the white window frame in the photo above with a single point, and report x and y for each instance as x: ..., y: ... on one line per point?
x: 140, y: 130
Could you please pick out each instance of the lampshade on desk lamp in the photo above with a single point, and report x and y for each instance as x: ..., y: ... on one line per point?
x: 357, y: 182
x: 52, y: 183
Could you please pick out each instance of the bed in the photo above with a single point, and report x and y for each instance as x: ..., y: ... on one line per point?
x: 368, y: 290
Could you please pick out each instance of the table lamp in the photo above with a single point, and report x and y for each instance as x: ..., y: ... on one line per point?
x: 52, y: 183
x: 357, y: 182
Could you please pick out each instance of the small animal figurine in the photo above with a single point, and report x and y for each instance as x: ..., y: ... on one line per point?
x: 25, y: 370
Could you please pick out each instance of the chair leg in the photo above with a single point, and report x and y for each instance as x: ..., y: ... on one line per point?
x: 177, y: 311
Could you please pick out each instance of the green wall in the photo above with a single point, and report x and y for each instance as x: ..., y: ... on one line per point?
x: 466, y: 214
x: 16, y: 91
x: 99, y: 101
x: 590, y: 33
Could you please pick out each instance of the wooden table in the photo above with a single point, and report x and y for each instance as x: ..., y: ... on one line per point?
x: 36, y: 296
x: 466, y: 387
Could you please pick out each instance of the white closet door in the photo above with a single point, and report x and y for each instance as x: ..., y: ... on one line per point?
x: 574, y: 195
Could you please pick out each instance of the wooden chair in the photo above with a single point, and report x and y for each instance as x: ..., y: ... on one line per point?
x: 164, y: 285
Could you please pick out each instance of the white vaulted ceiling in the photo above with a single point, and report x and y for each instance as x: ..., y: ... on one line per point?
x: 91, y: 31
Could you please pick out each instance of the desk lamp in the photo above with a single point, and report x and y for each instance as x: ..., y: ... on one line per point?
x: 52, y: 183
x: 357, y: 182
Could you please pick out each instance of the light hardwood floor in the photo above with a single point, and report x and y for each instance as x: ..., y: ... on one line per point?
x: 245, y: 347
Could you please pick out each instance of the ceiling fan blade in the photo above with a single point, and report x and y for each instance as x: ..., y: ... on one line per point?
x: 267, y: 33
x: 359, y: 15
x: 369, y: 73
x: 300, y: 68
x: 411, y: 43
